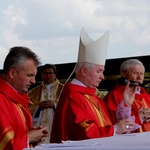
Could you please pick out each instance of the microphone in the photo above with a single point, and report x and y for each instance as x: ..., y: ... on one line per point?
x: 124, y: 81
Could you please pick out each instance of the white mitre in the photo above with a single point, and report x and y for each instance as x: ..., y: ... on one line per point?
x: 93, y: 51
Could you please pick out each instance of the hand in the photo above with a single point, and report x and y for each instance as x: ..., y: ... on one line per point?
x: 129, y: 94
x: 46, y: 104
x: 124, y: 125
x: 38, y: 134
x: 50, y: 103
x: 144, y: 114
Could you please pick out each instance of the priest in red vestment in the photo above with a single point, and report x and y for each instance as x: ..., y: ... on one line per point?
x: 133, y: 70
x: 19, y: 72
x: 80, y: 114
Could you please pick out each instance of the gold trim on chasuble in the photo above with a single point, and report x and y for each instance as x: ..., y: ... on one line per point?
x: 7, y: 135
x: 18, y: 107
x: 96, y: 110
x: 145, y: 105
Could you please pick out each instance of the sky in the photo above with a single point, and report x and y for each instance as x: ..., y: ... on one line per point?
x: 51, y: 28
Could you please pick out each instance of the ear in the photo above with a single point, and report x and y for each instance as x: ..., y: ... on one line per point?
x: 123, y: 74
x: 12, y: 73
x: 83, y: 70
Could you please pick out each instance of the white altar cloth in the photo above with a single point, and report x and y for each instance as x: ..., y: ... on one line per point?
x: 135, y: 141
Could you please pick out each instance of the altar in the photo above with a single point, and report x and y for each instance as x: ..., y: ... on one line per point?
x: 135, y: 141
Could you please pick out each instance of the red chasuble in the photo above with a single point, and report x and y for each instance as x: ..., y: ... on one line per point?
x: 80, y: 115
x: 15, y: 118
x: 114, y: 97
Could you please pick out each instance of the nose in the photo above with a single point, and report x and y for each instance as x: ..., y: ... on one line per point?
x: 102, y: 76
x: 33, y: 80
x: 139, y: 76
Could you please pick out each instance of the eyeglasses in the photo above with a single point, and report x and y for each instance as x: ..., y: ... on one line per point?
x: 46, y: 73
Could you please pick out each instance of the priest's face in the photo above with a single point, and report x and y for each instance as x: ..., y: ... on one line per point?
x: 23, y: 76
x: 48, y: 76
x: 135, y: 73
x: 94, y: 76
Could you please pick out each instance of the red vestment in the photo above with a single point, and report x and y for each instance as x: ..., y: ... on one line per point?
x: 15, y: 118
x: 114, y: 97
x: 80, y: 115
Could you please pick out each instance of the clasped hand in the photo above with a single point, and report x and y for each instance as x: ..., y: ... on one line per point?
x: 144, y: 114
x: 37, y: 134
x: 46, y: 104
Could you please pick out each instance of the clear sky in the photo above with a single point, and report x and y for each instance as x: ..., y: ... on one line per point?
x: 51, y: 28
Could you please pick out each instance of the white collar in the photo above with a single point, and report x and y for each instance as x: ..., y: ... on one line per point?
x: 48, y: 86
x: 75, y: 81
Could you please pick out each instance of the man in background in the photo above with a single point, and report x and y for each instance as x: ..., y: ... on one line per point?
x: 44, y: 98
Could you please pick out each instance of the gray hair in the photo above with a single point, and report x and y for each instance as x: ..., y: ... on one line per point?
x: 17, y: 56
x: 126, y: 65
x: 85, y: 64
